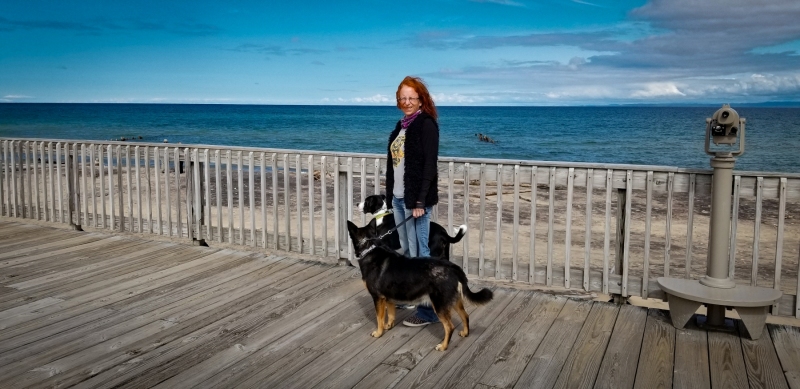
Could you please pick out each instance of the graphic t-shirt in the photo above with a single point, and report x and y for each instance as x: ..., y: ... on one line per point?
x: 399, y: 163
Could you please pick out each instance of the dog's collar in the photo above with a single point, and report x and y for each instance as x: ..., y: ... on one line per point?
x: 365, y: 252
x: 380, y: 215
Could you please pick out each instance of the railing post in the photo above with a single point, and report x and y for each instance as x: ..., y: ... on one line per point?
x: 341, y: 210
x: 619, y: 252
x: 194, y: 199
x: 73, y: 190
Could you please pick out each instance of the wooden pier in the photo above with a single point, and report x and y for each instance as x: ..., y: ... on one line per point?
x: 94, y: 310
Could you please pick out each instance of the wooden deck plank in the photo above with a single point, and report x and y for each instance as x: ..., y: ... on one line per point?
x: 168, y: 305
x: 191, y: 342
x: 691, y: 352
x: 46, y: 247
x: 140, y: 263
x: 383, y: 376
x: 419, y: 355
x: 339, y: 355
x: 725, y: 360
x: 121, y: 311
x: 787, y: 346
x: 84, y: 259
x: 544, y: 367
x: 437, y: 368
x: 519, y: 350
x: 486, y: 350
x: 7, y: 226
x: 358, y: 366
x: 117, y: 291
x: 658, y: 348
x: 132, y: 344
x: 69, y: 355
x: 19, y: 265
x: 85, y: 265
x: 581, y: 367
x: 760, y: 358
x: 297, y: 356
x: 621, y: 359
x: 195, y: 327
x: 196, y: 374
x: 11, y: 237
x: 13, y: 233
x: 348, y: 341
x: 350, y: 324
x: 93, y: 299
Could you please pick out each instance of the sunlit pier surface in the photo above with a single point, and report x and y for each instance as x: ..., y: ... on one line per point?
x: 100, y: 310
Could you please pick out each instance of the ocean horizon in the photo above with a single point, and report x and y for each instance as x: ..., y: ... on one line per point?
x: 642, y: 134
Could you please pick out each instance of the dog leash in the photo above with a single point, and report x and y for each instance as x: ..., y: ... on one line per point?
x: 385, y: 234
x: 363, y: 253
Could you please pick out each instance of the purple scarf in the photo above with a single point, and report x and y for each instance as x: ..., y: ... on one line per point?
x: 406, y: 120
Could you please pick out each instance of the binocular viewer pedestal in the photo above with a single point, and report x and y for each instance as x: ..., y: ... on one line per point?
x: 751, y: 303
x: 716, y: 290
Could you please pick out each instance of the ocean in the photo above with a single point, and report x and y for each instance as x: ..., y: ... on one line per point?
x: 667, y: 136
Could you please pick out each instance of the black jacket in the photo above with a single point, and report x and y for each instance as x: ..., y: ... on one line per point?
x: 421, y: 174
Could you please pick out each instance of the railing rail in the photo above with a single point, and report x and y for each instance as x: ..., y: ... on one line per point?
x: 607, y: 228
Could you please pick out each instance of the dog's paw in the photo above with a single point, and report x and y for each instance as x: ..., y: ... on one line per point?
x: 463, y: 333
x: 376, y: 334
x: 441, y: 347
x: 388, y: 326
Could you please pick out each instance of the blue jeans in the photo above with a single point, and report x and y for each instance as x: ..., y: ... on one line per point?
x: 415, y: 233
x: 414, y: 243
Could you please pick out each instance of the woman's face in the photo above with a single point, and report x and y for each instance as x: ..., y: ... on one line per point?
x: 408, y: 100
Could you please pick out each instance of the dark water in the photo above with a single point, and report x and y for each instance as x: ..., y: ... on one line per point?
x: 631, y: 135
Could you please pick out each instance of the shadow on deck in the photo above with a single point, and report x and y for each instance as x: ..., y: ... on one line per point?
x: 96, y: 310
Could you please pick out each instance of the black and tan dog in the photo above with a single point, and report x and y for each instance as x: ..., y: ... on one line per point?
x: 439, y: 240
x: 391, y: 278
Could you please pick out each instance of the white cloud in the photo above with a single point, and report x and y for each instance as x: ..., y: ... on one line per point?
x: 458, y: 98
x: 658, y: 89
x: 16, y: 97
x: 374, y: 99
x: 501, y: 2
x: 666, y: 50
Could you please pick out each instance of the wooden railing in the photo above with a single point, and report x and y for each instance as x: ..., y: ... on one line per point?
x: 595, y: 227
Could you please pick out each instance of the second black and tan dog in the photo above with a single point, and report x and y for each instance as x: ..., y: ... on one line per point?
x: 392, y: 279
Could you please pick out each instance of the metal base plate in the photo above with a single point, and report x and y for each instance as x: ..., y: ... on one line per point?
x: 702, y: 323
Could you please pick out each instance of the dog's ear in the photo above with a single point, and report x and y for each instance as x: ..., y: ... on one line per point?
x: 352, y: 229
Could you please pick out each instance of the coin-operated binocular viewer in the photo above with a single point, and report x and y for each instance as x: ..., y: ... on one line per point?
x: 725, y: 129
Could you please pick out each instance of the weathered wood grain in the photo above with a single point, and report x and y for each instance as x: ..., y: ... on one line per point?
x: 760, y: 358
x: 544, y: 367
x: 726, y: 363
x: 435, y: 364
x: 618, y: 369
x: 787, y: 346
x: 126, y: 312
x: 518, y: 351
x: 658, y: 348
x: 691, y: 351
x: 383, y: 376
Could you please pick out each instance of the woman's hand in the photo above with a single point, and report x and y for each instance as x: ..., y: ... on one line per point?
x: 417, y: 212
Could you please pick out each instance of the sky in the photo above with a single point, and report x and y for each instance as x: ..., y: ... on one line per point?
x: 469, y: 52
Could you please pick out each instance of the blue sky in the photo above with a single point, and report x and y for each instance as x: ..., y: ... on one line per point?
x: 470, y: 52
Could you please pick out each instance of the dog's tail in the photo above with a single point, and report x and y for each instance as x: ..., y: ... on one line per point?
x: 462, y: 230
x: 480, y: 297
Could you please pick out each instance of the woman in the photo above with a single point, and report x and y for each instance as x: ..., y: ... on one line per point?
x: 412, y: 175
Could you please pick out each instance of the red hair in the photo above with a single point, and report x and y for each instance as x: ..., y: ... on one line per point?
x: 425, y: 99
